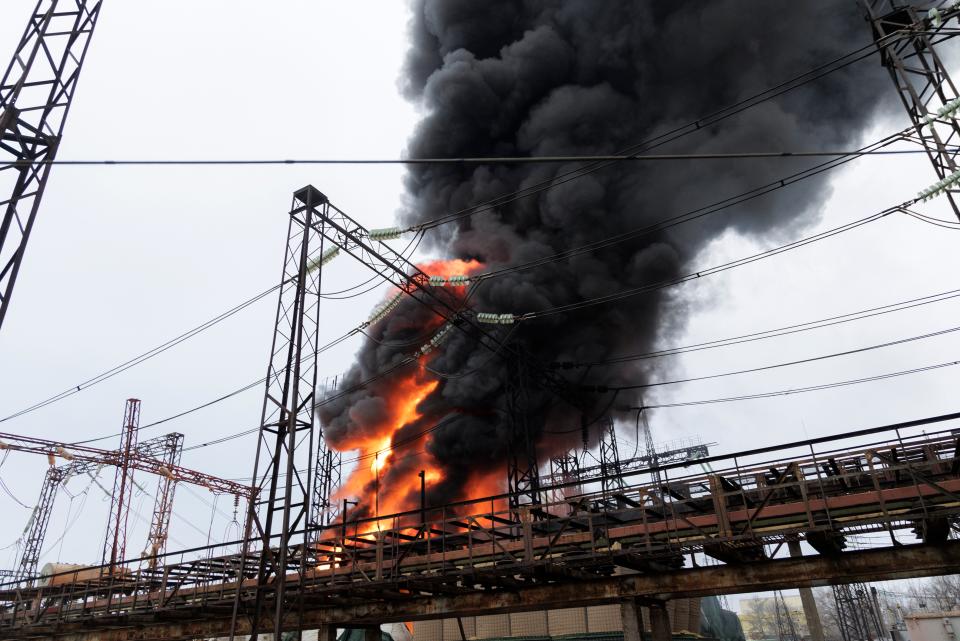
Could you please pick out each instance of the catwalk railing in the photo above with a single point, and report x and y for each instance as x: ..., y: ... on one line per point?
x: 735, y: 508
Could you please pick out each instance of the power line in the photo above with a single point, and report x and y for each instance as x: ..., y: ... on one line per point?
x: 489, y: 160
x: 650, y: 143
x: 803, y: 361
x: 615, y: 296
x: 671, y: 135
x: 802, y: 390
x: 770, y: 333
x: 136, y: 360
x: 695, y: 214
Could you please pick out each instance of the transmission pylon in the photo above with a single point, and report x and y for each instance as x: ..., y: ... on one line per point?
x: 36, y: 93
x: 907, y: 42
x: 115, y: 542
x: 283, y: 470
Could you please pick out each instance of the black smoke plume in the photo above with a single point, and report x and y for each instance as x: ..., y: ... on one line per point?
x: 566, y: 77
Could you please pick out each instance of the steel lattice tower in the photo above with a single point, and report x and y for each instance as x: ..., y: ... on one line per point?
x: 39, y: 520
x: 857, y: 615
x: 328, y: 477
x: 523, y: 470
x: 282, y: 479
x: 611, y: 479
x: 171, y: 448
x: 907, y: 44
x: 36, y: 92
x: 115, y: 541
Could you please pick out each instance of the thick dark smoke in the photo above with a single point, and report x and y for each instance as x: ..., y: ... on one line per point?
x: 564, y: 77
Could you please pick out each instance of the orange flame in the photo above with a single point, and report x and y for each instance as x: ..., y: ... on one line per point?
x: 407, y: 391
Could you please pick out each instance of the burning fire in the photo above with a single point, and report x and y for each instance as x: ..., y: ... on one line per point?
x: 379, y: 492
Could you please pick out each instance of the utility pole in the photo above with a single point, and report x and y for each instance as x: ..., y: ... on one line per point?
x: 36, y: 93
x: 282, y: 479
x: 908, y: 43
x: 115, y: 542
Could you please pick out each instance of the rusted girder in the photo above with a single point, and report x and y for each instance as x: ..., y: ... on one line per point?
x: 868, y: 565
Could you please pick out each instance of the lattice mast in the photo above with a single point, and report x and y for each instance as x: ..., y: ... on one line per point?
x: 908, y: 43
x: 36, y: 530
x: 115, y: 542
x: 170, y: 450
x: 611, y: 479
x: 36, y: 93
x: 857, y: 616
x: 282, y: 479
x: 523, y: 467
x: 329, y: 474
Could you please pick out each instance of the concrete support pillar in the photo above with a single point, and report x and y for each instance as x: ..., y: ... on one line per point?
x: 327, y: 633
x: 659, y: 621
x: 632, y: 616
x: 810, y: 612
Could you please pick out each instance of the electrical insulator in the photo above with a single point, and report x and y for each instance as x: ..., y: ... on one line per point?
x: 459, y: 281
x: 496, y: 319
x: 437, y: 281
x: 323, y: 259
x: 381, y: 310
x: 387, y: 233
x: 935, y: 17
x: 939, y: 187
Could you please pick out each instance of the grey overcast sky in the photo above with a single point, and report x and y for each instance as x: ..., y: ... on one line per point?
x: 124, y: 258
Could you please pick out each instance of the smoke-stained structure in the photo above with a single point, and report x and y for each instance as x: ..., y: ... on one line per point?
x: 566, y: 77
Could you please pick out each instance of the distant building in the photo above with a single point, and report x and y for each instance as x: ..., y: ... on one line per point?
x: 771, y: 618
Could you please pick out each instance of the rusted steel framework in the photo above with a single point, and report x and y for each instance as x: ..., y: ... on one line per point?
x: 115, y: 542
x: 908, y: 43
x: 39, y: 520
x: 667, y: 454
x: 821, y: 491
x: 84, y: 453
x: 611, y: 475
x: 170, y: 449
x: 329, y: 470
x: 36, y: 92
x: 55, y: 477
x: 282, y: 478
x: 857, y: 615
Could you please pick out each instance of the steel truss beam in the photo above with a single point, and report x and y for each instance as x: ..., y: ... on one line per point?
x: 908, y: 44
x: 780, y: 574
x: 36, y: 93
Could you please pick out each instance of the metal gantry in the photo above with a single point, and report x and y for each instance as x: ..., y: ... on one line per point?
x: 283, y: 471
x: 36, y: 93
x: 908, y: 43
x: 56, y: 476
